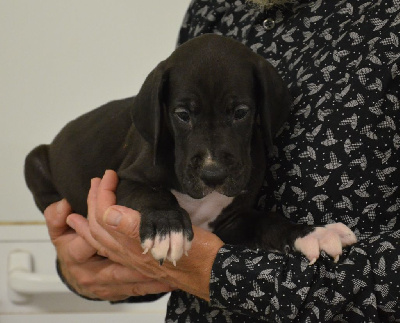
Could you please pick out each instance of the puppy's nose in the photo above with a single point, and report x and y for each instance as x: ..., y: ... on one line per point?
x: 213, y: 175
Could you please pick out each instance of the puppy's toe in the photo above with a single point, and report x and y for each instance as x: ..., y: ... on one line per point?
x: 308, y: 246
x: 187, y: 245
x: 330, y: 242
x: 170, y: 246
x: 347, y: 237
x: 147, y: 245
x: 161, y: 247
x: 176, y: 247
x: 180, y: 244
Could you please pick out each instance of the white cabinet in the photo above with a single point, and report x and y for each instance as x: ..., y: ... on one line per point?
x: 44, y: 298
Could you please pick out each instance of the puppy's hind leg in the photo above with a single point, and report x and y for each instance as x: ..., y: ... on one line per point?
x: 38, y: 177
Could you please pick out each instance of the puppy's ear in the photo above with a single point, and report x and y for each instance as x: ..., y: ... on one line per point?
x: 274, y: 100
x: 147, y: 107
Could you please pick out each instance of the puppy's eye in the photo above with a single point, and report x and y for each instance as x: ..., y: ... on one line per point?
x: 240, y: 112
x: 182, y: 114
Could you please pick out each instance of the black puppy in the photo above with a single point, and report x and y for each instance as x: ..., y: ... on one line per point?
x: 189, y: 148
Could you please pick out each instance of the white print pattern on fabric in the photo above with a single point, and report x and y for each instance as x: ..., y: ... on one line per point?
x: 336, y: 160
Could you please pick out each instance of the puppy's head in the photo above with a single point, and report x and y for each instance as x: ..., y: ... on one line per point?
x: 211, y: 95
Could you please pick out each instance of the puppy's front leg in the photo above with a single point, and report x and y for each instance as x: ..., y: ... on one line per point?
x: 165, y: 228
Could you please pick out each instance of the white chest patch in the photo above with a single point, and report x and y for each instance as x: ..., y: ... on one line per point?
x: 205, y: 210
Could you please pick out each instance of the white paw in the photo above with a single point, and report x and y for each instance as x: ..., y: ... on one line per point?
x: 171, y: 246
x: 330, y: 238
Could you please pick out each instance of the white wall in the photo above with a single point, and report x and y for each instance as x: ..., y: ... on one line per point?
x: 61, y: 58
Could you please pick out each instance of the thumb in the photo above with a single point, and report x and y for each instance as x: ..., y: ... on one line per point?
x: 123, y: 220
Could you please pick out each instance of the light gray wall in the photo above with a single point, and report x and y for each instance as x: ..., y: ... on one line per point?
x: 61, y: 58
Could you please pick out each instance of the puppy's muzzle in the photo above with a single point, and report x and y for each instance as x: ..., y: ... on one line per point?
x: 213, y: 175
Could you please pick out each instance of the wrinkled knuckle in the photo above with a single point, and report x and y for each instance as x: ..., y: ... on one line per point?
x: 115, y: 275
x: 78, y: 259
x: 85, y: 281
x: 132, y: 230
x: 75, y: 257
x: 139, y: 290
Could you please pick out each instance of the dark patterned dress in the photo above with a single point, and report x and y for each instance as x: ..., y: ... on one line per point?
x: 337, y: 159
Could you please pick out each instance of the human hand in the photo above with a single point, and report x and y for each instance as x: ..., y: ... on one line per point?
x: 116, y: 231
x: 87, y: 273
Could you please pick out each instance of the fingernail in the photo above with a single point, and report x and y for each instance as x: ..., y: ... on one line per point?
x: 112, y: 217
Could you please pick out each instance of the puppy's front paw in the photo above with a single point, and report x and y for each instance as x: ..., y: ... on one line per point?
x: 330, y: 238
x: 167, y: 234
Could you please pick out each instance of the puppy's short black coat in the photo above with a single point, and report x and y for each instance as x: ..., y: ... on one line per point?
x: 197, y: 132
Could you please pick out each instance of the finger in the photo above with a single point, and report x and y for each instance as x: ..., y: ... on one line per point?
x: 109, y: 181
x: 124, y: 281
x: 92, y: 196
x: 106, y: 193
x: 84, y: 246
x: 121, y: 292
x: 55, y: 216
x: 96, y: 232
x: 111, y: 281
x: 154, y: 287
